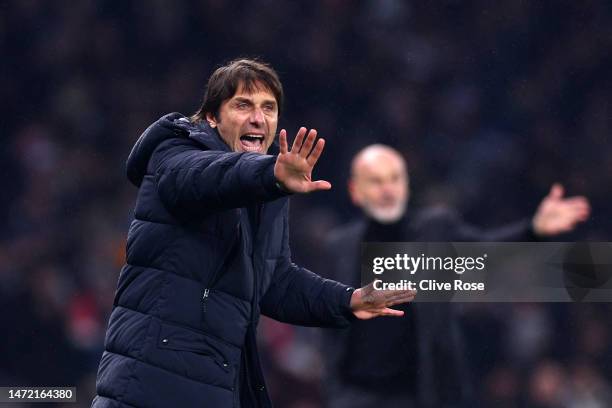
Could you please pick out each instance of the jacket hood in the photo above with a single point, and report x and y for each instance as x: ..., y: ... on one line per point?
x: 172, y: 125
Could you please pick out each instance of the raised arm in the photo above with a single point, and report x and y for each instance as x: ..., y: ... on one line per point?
x: 192, y: 179
x: 555, y: 215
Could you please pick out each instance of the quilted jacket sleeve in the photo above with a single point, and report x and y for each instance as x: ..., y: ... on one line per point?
x: 299, y: 296
x: 192, y: 179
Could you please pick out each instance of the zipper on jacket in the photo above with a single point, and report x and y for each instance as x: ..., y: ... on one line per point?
x: 205, y: 299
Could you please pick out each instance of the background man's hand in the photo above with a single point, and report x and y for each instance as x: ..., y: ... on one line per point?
x: 293, y: 168
x: 367, y: 302
x: 556, y: 214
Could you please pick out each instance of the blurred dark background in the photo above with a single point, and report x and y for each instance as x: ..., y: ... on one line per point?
x: 491, y: 102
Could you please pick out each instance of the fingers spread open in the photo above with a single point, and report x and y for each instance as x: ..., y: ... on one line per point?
x: 282, y: 139
x: 316, y: 152
x: 307, y: 147
x: 299, y: 139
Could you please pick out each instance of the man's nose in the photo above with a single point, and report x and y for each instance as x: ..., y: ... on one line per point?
x: 387, y: 187
x: 389, y: 191
x: 257, y: 117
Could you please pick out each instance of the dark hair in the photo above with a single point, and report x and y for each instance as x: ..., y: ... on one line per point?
x: 224, y: 83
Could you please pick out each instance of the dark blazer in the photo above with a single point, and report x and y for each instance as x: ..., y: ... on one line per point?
x: 419, y: 356
x: 207, y: 252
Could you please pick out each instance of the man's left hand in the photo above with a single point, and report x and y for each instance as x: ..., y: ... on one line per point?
x: 557, y: 214
x: 367, y: 302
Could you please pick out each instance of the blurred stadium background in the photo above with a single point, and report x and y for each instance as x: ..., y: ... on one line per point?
x: 491, y: 102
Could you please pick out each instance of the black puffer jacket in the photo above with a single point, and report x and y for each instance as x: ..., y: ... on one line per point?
x: 207, y: 253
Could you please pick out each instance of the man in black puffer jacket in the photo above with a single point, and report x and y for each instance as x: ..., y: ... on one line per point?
x: 208, y: 252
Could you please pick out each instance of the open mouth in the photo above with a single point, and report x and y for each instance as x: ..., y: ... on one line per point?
x: 252, y: 143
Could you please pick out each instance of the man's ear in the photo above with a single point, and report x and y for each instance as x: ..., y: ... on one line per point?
x: 212, y: 121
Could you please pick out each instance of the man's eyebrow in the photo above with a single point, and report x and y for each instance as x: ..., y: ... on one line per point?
x: 250, y: 101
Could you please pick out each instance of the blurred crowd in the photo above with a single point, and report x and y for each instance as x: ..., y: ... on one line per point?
x: 490, y: 102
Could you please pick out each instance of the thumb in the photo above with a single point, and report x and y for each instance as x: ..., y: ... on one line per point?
x: 392, y: 312
x: 321, y: 185
x: 556, y: 191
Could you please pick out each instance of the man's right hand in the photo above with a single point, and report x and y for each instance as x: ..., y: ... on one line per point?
x: 293, y: 168
x: 558, y: 214
x: 367, y: 302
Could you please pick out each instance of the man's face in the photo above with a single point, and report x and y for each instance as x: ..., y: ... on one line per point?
x: 379, y: 186
x: 247, y: 121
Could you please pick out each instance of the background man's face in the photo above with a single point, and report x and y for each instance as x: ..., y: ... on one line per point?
x: 379, y: 185
x: 247, y: 121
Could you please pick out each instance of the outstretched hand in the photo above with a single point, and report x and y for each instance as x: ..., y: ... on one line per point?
x: 367, y: 302
x: 557, y: 214
x: 293, y: 168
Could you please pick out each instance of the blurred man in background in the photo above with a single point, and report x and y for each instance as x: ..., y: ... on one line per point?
x: 418, y: 360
